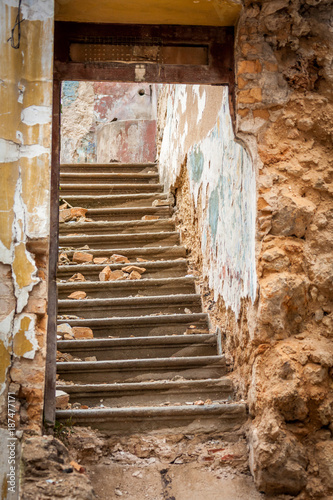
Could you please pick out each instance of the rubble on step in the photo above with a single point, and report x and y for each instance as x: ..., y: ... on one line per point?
x: 72, y: 214
x: 129, y: 269
x: 116, y: 258
x: 77, y: 277
x: 79, y: 295
x: 82, y: 332
x: 82, y: 257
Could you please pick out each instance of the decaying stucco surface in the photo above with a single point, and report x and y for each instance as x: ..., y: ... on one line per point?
x: 281, y: 345
x: 198, y: 138
x: 25, y: 156
x: 107, y: 122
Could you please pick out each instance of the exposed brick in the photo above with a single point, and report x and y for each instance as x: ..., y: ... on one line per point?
x: 250, y: 96
x: 249, y: 67
x: 261, y: 113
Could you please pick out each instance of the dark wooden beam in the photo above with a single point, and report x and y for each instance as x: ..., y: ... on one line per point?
x: 51, y: 338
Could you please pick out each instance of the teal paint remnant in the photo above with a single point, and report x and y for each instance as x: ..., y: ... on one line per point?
x: 213, y: 206
x: 69, y: 93
x: 196, y: 164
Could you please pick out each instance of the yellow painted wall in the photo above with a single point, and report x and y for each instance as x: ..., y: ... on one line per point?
x: 187, y: 12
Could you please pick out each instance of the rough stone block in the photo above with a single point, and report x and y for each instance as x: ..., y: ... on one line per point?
x: 79, y: 295
x: 249, y: 67
x: 250, y: 96
x: 100, y: 260
x: 82, y: 332
x: 77, y: 277
x: 62, y: 400
x: 117, y: 275
x: 82, y: 257
x: 63, y: 329
x: 105, y: 274
x: 134, y: 275
x: 119, y: 259
x: 129, y: 269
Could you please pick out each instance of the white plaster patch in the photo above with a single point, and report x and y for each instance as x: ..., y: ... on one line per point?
x: 33, y: 150
x: 19, y: 236
x: 201, y: 100
x: 6, y: 254
x: 37, y: 10
x: 6, y: 328
x: 36, y: 115
x: 30, y: 334
x: 9, y: 151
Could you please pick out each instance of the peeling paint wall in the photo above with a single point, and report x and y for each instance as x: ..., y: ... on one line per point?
x: 25, y: 158
x: 197, y: 132
x: 108, y: 121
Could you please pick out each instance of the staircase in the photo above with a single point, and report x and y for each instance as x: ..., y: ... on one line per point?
x: 159, y: 365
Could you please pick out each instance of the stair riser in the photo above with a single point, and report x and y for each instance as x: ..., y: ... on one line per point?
x: 139, y: 226
x: 125, y: 241
x: 171, y: 327
x: 103, y: 216
x: 146, y: 398
x: 92, y: 190
x: 85, y: 310
x: 139, y: 375
x: 142, y: 200
x: 108, y: 178
x: 109, y: 168
x: 173, y: 271
x: 114, y: 353
x: 112, y: 289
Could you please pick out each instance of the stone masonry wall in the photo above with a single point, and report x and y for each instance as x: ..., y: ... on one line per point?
x: 281, y: 346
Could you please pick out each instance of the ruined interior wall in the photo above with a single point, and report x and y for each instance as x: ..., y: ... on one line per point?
x: 282, y: 345
x: 197, y: 137
x: 25, y: 158
x: 108, y: 121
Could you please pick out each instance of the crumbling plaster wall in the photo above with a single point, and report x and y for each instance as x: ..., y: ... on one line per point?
x: 281, y: 345
x: 25, y: 156
x: 105, y: 122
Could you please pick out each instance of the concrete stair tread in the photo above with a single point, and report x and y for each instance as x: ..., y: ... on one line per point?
x: 223, y: 382
x: 102, y: 227
x: 127, y: 240
x: 176, y: 251
x: 110, y: 188
x: 223, y: 417
x: 131, y: 178
x: 164, y: 318
x: 135, y: 200
x: 132, y: 341
x: 112, y: 289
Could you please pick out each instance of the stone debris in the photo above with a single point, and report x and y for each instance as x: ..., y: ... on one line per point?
x: 64, y: 329
x: 100, y: 260
x: 70, y: 214
x: 79, y: 295
x: 116, y: 258
x: 117, y: 275
x: 187, y: 310
x: 199, y: 402
x: 129, y: 269
x: 82, y: 257
x: 118, y: 493
x: 62, y: 400
x: 160, y: 203
x: 134, y: 275
x: 82, y: 332
x: 65, y: 356
x: 63, y: 258
x: 77, y: 467
x: 90, y: 358
x: 105, y: 274
x: 150, y: 217
x: 140, y: 259
x: 77, y: 277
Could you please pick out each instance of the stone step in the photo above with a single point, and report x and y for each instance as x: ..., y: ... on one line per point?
x: 142, y: 347
x: 141, y: 326
x: 116, y: 227
x: 128, y: 240
x: 149, y: 253
x: 131, y: 306
x: 117, y: 200
x: 222, y: 418
x: 108, y: 178
x: 130, y: 168
x: 137, y: 370
x: 67, y: 188
x: 127, y: 214
x: 158, y: 269
x: 127, y: 288
x: 150, y: 393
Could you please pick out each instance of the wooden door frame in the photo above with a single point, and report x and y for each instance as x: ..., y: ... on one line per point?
x: 219, y: 71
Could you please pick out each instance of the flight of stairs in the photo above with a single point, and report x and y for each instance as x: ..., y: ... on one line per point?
x: 156, y: 353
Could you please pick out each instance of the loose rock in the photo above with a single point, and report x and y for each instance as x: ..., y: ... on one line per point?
x: 82, y: 257
x: 79, y: 295
x: 82, y: 332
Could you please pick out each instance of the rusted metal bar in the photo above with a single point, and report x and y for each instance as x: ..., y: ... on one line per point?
x: 51, y: 339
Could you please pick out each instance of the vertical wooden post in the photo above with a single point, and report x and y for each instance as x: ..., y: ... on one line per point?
x: 51, y: 338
